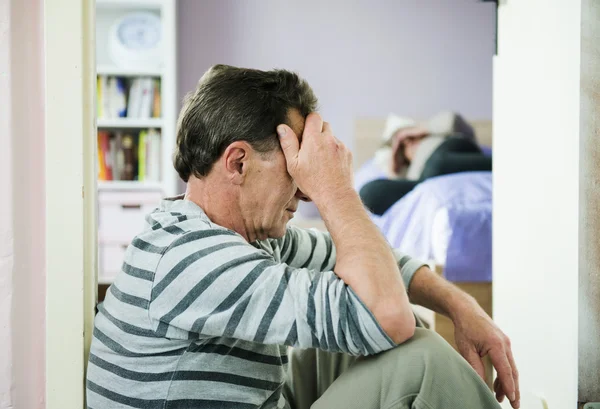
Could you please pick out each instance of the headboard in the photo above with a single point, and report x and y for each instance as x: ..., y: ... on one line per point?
x: 367, y: 136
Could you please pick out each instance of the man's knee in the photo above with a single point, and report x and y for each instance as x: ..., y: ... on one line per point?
x: 427, y: 355
x: 428, y: 345
x: 429, y: 339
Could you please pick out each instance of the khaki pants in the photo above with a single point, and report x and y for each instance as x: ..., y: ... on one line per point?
x: 424, y: 372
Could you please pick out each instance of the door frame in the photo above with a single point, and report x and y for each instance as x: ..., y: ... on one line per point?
x: 71, y: 228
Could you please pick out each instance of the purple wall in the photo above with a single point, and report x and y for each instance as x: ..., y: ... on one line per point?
x: 362, y: 58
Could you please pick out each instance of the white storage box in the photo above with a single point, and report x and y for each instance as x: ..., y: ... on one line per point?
x: 122, y: 215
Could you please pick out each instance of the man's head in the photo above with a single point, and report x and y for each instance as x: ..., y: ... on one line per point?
x: 227, y: 143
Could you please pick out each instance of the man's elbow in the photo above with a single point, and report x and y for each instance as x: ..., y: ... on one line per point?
x: 400, y: 326
x: 405, y: 331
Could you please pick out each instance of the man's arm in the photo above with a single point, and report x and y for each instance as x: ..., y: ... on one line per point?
x: 322, y: 169
x: 475, y: 333
x: 315, y: 250
x: 234, y: 290
x: 306, y: 248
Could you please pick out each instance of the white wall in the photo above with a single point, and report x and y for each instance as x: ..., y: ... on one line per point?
x: 363, y: 58
x: 536, y: 174
x: 70, y: 197
x: 22, y: 220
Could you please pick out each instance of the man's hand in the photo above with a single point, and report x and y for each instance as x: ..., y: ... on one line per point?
x: 322, y: 163
x: 475, y: 333
x: 321, y: 166
x: 476, y: 336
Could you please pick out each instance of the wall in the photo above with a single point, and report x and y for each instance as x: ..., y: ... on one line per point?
x: 362, y: 58
x: 22, y: 285
x: 6, y: 230
x: 29, y: 203
x: 536, y: 194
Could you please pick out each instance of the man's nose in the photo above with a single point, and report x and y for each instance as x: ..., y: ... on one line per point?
x: 300, y: 195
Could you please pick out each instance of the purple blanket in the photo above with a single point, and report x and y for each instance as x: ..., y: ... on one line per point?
x: 447, y: 219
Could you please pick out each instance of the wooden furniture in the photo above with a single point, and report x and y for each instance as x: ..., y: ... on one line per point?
x: 482, y: 292
x: 123, y: 204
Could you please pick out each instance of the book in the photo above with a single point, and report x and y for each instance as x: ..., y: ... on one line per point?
x: 104, y: 147
x: 152, y: 156
x: 157, y: 103
x: 133, y: 103
x: 146, y: 98
x: 142, y: 155
x: 99, y: 95
x: 156, y: 155
x: 109, y: 97
x: 111, y: 155
x: 128, y: 157
x: 103, y: 98
x: 119, y: 98
x: 118, y: 157
x: 101, y: 167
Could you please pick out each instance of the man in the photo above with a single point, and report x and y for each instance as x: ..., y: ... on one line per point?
x: 413, y: 153
x: 213, y: 292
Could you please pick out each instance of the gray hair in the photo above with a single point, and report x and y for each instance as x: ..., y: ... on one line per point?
x: 236, y: 104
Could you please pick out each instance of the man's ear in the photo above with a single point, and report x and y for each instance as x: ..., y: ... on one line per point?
x: 236, y: 159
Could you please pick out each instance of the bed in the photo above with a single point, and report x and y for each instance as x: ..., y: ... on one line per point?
x: 446, y: 220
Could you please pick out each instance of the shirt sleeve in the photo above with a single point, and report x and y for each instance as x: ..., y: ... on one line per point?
x: 408, y: 266
x: 306, y: 248
x: 315, y: 250
x: 231, y: 289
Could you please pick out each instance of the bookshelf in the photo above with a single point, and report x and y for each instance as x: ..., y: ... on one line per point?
x: 110, y: 69
x: 130, y: 4
x: 107, y: 12
x: 129, y: 123
x: 125, y: 197
x: 126, y: 185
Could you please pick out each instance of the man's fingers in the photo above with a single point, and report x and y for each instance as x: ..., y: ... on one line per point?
x: 312, y: 125
x: 502, y: 365
x: 289, y: 144
x: 475, y: 361
x: 515, y: 373
x: 498, y: 390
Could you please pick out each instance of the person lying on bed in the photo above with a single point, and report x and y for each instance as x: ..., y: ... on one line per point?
x: 415, y: 152
x: 217, y: 287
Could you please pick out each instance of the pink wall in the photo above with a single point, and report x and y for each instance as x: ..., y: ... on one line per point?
x: 22, y: 236
x: 363, y: 58
x: 6, y: 230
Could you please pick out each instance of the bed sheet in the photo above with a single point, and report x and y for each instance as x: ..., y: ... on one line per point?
x: 447, y: 219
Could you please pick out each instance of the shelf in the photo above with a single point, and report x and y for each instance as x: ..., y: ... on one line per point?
x: 130, y: 123
x: 105, y: 280
x: 129, y: 4
x: 128, y: 185
x: 128, y: 72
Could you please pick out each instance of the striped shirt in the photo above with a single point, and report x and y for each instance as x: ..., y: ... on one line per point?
x: 200, y: 318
